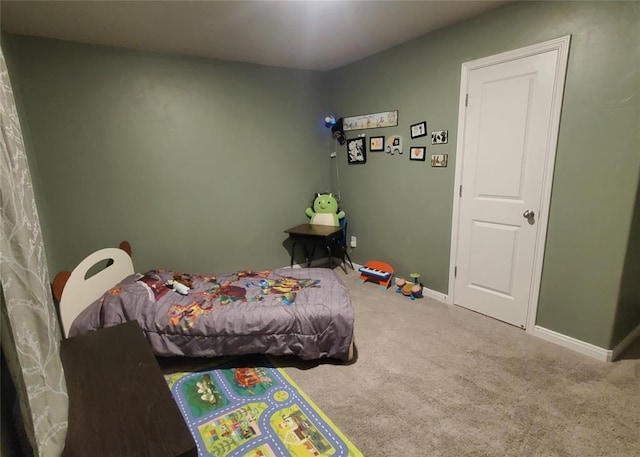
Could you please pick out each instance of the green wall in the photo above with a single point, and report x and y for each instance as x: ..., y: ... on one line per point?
x: 200, y: 164
x: 401, y: 211
x: 628, y: 312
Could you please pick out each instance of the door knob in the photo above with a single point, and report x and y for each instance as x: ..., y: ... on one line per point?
x: 528, y: 214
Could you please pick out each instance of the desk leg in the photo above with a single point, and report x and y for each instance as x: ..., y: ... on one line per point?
x: 313, y: 251
x: 293, y: 250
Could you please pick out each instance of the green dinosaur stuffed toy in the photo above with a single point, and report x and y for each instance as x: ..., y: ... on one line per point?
x: 325, y: 210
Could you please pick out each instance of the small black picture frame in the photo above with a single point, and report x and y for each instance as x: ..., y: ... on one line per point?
x: 356, y: 150
x: 418, y: 153
x: 419, y: 129
x: 376, y: 143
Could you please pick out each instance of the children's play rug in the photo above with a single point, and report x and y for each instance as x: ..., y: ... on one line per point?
x: 249, y: 408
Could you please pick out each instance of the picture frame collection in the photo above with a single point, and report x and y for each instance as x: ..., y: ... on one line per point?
x: 357, y: 146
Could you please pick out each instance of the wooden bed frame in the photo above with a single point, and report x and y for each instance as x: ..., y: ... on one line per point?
x: 87, y: 289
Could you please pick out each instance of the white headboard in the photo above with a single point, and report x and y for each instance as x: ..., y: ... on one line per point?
x: 80, y: 291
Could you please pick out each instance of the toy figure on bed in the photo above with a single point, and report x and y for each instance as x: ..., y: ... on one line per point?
x: 325, y: 210
x: 287, y: 288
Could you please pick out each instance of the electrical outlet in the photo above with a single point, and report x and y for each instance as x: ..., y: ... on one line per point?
x: 354, y: 242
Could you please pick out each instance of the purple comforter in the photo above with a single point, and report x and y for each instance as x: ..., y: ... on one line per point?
x: 305, y: 312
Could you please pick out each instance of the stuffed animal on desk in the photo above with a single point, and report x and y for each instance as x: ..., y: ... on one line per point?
x: 324, y: 210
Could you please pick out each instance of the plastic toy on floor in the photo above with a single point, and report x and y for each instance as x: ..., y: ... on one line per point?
x: 408, y: 289
x: 378, y: 272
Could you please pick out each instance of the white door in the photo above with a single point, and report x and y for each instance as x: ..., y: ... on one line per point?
x: 509, y: 132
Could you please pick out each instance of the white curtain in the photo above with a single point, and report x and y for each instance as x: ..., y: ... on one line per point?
x: 30, y: 330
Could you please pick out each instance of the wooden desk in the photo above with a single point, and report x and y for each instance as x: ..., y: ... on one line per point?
x: 313, y: 235
x: 119, y: 402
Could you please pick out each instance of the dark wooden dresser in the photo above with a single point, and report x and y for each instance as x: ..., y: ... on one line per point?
x: 119, y: 402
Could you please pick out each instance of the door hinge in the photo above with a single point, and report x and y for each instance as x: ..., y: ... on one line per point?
x: 455, y: 272
x: 466, y: 100
x: 460, y: 193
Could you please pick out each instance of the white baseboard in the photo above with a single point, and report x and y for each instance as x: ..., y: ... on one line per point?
x: 622, y: 345
x: 596, y: 352
x: 435, y: 295
x: 322, y: 262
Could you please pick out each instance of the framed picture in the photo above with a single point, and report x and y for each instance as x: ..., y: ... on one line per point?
x: 356, y: 150
x: 440, y: 137
x: 371, y: 121
x: 419, y: 129
x: 439, y: 160
x: 417, y: 153
x: 376, y: 143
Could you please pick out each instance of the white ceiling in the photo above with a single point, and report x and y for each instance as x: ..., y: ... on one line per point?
x: 314, y: 35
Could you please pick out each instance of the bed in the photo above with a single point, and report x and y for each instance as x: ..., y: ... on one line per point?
x: 305, y: 312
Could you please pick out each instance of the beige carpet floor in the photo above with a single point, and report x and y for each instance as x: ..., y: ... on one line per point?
x: 438, y: 380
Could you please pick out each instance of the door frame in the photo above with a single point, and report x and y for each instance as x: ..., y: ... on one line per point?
x: 561, y: 45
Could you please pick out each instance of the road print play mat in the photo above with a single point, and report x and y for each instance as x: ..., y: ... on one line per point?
x: 249, y: 408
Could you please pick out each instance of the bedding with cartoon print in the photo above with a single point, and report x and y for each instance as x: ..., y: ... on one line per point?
x: 306, y: 312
